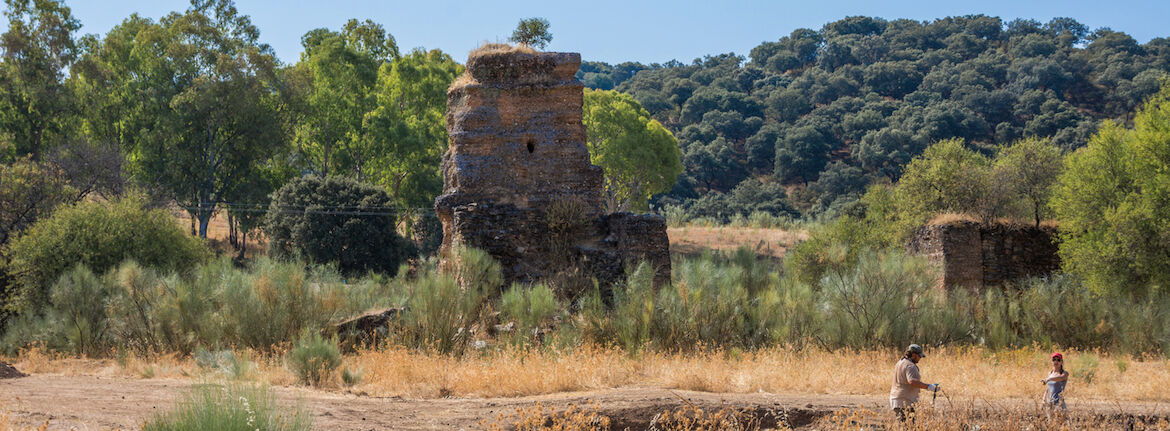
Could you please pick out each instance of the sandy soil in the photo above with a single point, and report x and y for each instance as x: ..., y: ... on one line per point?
x: 92, y: 403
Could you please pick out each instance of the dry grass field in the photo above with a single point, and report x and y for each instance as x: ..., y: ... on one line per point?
x: 826, y: 390
x: 690, y: 240
x: 843, y: 386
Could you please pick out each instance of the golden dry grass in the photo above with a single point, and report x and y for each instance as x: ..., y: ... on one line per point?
x: 770, y: 242
x: 969, y: 416
x: 948, y: 218
x: 965, y: 373
x: 487, y: 48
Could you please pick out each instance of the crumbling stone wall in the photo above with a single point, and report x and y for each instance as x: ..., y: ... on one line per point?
x: 517, y: 178
x: 977, y: 255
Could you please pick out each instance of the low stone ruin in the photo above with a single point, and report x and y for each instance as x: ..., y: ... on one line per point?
x: 518, y: 183
x: 976, y: 255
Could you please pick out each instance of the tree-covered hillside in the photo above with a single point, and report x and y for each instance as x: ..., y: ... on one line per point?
x: 826, y: 112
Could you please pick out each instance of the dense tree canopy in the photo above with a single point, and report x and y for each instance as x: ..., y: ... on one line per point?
x: 872, y: 94
x: 1111, y: 201
x: 37, y: 48
x: 639, y: 156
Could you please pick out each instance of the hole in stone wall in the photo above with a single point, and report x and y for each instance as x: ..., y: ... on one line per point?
x: 531, y: 146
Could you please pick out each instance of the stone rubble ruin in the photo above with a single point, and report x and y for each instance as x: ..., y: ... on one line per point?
x: 977, y: 255
x: 517, y: 180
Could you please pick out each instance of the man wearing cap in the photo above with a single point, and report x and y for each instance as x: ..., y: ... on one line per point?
x: 907, y: 383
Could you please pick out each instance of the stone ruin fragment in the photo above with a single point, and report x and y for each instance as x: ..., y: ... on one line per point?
x: 976, y: 255
x: 517, y: 180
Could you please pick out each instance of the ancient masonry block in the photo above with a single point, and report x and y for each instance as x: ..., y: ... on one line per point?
x: 978, y: 255
x: 517, y: 181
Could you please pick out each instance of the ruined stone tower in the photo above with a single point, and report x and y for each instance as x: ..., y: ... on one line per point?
x: 517, y: 178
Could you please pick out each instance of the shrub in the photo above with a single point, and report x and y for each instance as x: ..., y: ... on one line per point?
x: 351, y: 377
x: 314, y: 359
x: 834, y: 246
x: 877, y: 302
x: 230, y: 408
x: 442, y: 305
x: 336, y: 220
x: 99, y: 236
x: 427, y: 233
x: 530, y: 307
x: 264, y: 306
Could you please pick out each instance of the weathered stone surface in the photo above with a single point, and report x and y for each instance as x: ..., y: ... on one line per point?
x: 517, y: 178
x: 977, y: 255
x: 366, y: 329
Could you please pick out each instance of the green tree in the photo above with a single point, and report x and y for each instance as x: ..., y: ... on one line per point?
x: 948, y: 177
x: 342, y: 71
x: 28, y: 192
x: 1030, y: 169
x: 801, y: 154
x: 640, y: 157
x: 1111, y: 201
x: 532, y: 32
x: 408, y: 128
x: 207, y: 116
x: 37, y: 49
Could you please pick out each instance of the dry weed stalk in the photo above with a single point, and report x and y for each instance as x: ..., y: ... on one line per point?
x: 987, y: 418
x: 540, y: 418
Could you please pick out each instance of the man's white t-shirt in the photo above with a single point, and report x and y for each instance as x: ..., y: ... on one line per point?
x: 902, y: 394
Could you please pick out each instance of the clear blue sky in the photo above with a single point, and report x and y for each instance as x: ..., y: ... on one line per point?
x: 616, y: 31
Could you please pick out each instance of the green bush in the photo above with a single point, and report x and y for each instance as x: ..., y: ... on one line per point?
x: 79, y: 300
x: 100, y: 236
x: 1111, y: 201
x: 530, y: 307
x: 336, y: 220
x: 442, y: 305
x: 230, y: 408
x: 833, y: 246
x: 314, y: 359
x: 427, y: 233
x: 264, y: 306
x: 878, y: 302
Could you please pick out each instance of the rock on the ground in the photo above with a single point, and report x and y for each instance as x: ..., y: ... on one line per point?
x: 10, y: 372
x: 366, y: 329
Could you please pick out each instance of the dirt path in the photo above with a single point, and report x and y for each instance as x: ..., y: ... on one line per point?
x: 92, y: 403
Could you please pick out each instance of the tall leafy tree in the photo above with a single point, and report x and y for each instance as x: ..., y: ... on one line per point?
x: 342, y: 72
x: 37, y: 49
x: 408, y: 128
x: 199, y: 96
x: 1111, y: 201
x: 1030, y: 167
x: 640, y: 157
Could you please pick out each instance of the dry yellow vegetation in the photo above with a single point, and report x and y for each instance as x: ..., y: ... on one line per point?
x: 764, y: 241
x: 965, y: 373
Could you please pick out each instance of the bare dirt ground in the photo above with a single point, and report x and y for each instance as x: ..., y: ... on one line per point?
x: 93, y: 403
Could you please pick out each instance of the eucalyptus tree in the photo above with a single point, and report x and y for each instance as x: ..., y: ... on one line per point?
x: 36, y: 50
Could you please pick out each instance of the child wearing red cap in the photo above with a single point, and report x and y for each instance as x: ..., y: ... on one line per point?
x: 1057, y: 378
